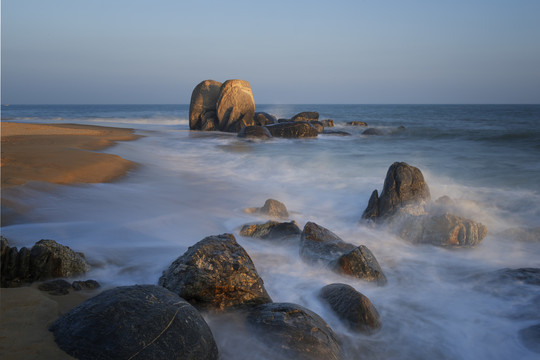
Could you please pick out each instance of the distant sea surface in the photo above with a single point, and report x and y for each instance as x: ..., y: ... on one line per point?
x: 438, y: 303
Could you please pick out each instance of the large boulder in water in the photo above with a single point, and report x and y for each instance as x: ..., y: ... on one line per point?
x: 202, y: 108
x: 293, y: 130
x: 318, y: 244
x: 235, y: 106
x: 354, y: 308
x: 294, y: 332
x: 306, y: 116
x: 404, y: 186
x: 45, y: 260
x: 135, y: 322
x: 216, y: 273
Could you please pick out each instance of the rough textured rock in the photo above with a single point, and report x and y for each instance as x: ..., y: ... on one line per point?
x: 295, y: 332
x: 216, y: 273
x: 442, y: 230
x: 262, y: 119
x: 271, y: 208
x: 202, y: 108
x: 46, y: 260
x: 354, y: 308
x: 306, y: 116
x: 327, y: 122
x: 85, y: 285
x: 404, y: 185
x: 272, y: 230
x: 235, y: 106
x: 318, y: 243
x: 292, y: 130
x: 360, y: 263
x: 357, y: 123
x: 135, y: 322
x: 317, y: 125
x: 259, y: 132
x: 55, y: 287
x: 372, y: 131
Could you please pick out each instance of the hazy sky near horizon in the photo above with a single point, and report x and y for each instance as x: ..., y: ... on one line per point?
x: 385, y: 51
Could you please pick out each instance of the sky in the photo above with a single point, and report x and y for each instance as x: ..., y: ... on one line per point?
x: 291, y: 52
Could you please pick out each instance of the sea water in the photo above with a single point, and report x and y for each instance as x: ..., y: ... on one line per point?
x: 438, y: 303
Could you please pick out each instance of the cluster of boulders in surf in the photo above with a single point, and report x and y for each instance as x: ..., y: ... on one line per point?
x: 217, y: 275
x: 230, y: 107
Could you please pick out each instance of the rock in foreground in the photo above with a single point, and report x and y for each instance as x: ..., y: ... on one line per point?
x: 352, y: 307
x: 135, y: 322
x: 295, y: 332
x: 216, y: 273
x: 46, y: 260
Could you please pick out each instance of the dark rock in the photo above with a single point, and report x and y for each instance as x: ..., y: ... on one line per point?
x: 292, y: 130
x: 336, y: 132
x: 360, y: 263
x: 202, y: 108
x: 262, y: 119
x: 135, y: 322
x: 216, y: 273
x: 55, y: 287
x: 352, y: 307
x: 235, y: 106
x: 306, y: 116
x: 46, y: 260
x: 318, y: 243
x: 357, y: 123
x: 85, y: 285
x: 280, y: 121
x: 327, y: 122
x: 294, y: 332
x: 404, y: 185
x: 272, y: 230
x: 254, y: 132
x: 530, y: 337
x: 317, y: 125
x: 372, y: 131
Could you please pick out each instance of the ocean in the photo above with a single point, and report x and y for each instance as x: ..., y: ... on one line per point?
x: 438, y: 304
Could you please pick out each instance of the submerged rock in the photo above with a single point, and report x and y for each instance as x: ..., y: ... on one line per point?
x: 354, y: 308
x: 46, y: 260
x: 255, y: 132
x: 235, y: 106
x: 292, y: 130
x: 306, y: 116
x: 404, y: 185
x: 202, y: 108
x: 294, y: 332
x: 135, y: 322
x: 357, y: 123
x: 372, y: 131
x: 336, y: 132
x: 320, y: 244
x: 327, y: 123
x: 216, y: 273
x: 272, y: 230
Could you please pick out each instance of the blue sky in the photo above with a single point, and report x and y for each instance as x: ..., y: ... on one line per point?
x: 151, y: 52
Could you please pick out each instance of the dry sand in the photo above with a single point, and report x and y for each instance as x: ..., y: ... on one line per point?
x: 61, y: 153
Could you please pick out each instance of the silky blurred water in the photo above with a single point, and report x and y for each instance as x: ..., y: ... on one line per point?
x: 193, y: 184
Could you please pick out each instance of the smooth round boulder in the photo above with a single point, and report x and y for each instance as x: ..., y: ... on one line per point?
x: 202, y: 107
x: 216, y: 273
x: 135, y: 322
x: 294, y: 332
x: 354, y: 308
x: 235, y: 106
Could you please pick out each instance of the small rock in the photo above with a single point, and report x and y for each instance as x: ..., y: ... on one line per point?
x: 372, y: 131
x: 327, y: 123
x: 55, y: 287
x: 294, y: 332
x: 85, y: 285
x: 357, y: 123
x: 272, y: 230
x: 254, y: 132
x: 336, y: 132
x: 352, y: 307
x: 306, y: 116
x: 274, y: 209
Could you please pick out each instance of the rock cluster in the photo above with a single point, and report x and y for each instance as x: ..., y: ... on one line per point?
x: 45, y: 260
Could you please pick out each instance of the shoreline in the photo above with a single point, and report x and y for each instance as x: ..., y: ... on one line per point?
x: 63, y: 154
